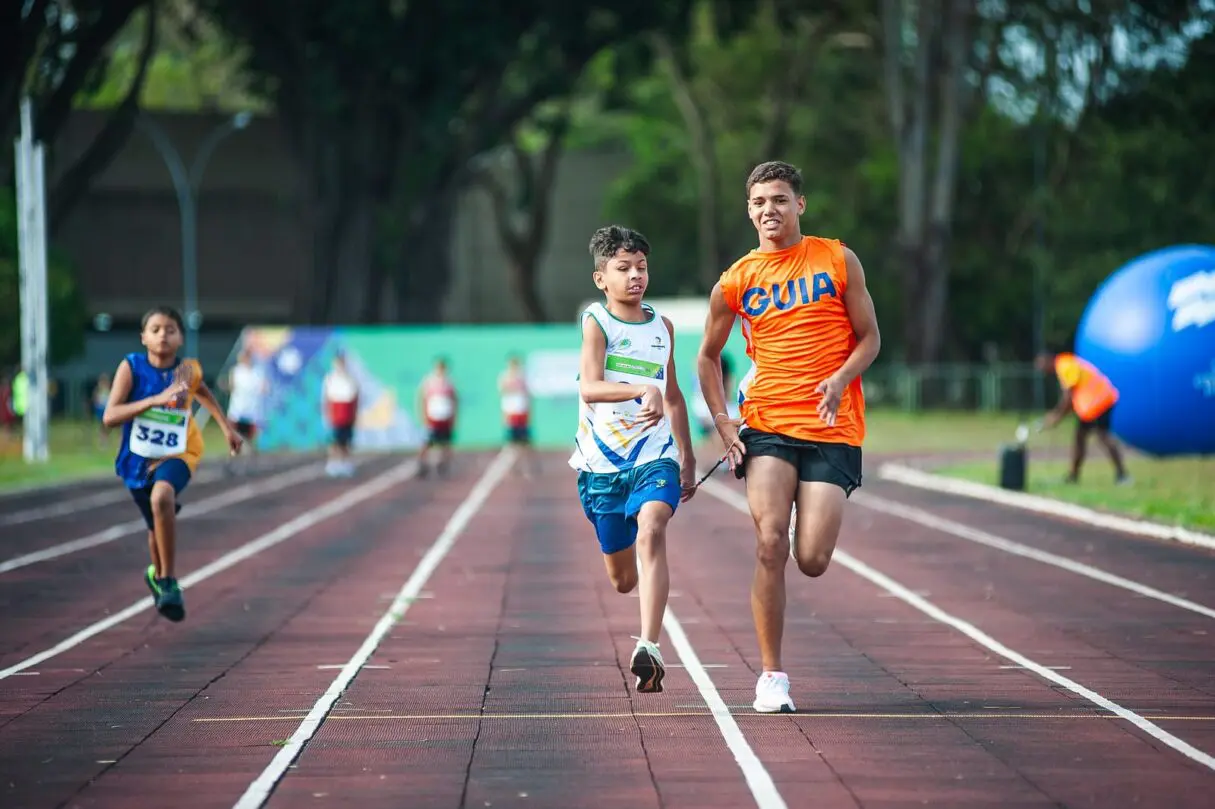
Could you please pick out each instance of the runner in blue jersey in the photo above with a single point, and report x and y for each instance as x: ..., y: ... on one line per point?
x: 152, y: 399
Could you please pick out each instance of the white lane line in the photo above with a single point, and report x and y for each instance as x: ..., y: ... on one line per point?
x: 908, y: 476
x: 259, y: 791
x: 306, y: 520
x: 980, y: 537
x: 888, y: 584
x: 112, y: 494
x: 214, y: 503
x: 60, y: 509
x: 763, y: 789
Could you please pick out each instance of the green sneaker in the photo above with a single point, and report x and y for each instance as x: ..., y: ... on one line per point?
x: 170, y: 603
x: 149, y: 578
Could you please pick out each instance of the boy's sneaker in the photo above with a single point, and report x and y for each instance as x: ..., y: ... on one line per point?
x: 149, y: 578
x: 647, y: 665
x: 170, y: 602
x: 772, y: 693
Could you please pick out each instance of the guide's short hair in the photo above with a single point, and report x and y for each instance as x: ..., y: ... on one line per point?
x: 775, y: 170
x: 607, y: 241
x: 167, y: 311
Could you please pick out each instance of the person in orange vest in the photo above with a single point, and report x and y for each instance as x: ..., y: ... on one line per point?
x: 1091, y: 396
x: 811, y: 331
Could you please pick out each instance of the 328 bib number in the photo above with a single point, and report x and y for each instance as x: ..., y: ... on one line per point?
x: 158, y: 432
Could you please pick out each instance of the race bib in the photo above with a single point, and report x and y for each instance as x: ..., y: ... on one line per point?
x: 514, y: 404
x: 158, y: 432
x: 439, y: 408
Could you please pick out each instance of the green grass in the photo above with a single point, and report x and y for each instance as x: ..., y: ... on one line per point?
x: 1175, y: 491
x: 893, y: 431
x: 75, y: 453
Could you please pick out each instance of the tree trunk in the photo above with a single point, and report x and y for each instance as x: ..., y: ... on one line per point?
x: 523, y: 276
x: 424, y: 274
x: 704, y: 159
x: 75, y: 182
x: 944, y: 185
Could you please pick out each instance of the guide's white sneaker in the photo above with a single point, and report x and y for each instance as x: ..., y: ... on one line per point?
x: 772, y: 693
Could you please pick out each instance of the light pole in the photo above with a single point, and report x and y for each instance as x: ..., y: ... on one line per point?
x: 186, y: 183
x: 1039, y: 253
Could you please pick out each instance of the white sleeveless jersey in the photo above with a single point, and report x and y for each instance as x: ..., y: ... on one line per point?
x: 608, y: 440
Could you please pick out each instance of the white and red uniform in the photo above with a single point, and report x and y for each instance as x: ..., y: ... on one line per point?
x: 341, y: 396
x: 439, y: 402
x: 516, y: 402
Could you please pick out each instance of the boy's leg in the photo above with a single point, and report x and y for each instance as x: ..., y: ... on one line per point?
x: 653, y: 499
x: 603, y: 503
x: 143, y: 500
x: 655, y: 577
x: 621, y: 568
x: 168, y: 480
x: 154, y: 553
x: 164, y: 501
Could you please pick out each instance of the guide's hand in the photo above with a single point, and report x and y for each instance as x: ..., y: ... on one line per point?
x: 727, y: 430
x: 828, y: 406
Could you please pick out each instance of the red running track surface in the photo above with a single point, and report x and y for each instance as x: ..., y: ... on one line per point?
x: 504, y: 682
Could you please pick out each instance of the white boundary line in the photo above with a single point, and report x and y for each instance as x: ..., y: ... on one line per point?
x: 957, y: 529
x: 757, y: 777
x: 908, y: 476
x: 377, y: 485
x: 62, y: 508
x: 111, y: 494
x: 207, y: 505
x: 730, y: 497
x: 259, y: 791
x: 52, y: 486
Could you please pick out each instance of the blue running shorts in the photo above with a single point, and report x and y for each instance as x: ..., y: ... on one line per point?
x: 612, y: 500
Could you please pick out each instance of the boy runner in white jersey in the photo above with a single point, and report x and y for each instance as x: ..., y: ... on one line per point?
x: 633, y: 449
x: 246, y: 386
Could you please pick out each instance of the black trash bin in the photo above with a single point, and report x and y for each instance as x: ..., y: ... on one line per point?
x: 1012, y: 467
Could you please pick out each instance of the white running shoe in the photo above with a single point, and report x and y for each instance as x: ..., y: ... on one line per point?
x: 772, y: 693
x: 647, y: 665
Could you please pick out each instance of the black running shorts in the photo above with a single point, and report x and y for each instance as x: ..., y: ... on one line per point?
x: 815, y: 461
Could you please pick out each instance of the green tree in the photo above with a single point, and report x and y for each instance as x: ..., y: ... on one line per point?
x: 385, y: 104
x: 55, y: 52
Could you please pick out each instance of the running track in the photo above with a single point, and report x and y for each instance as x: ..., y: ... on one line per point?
x: 393, y: 642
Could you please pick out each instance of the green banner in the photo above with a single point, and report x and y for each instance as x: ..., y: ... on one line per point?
x: 390, y: 362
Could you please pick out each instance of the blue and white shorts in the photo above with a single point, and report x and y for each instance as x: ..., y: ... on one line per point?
x: 612, y: 500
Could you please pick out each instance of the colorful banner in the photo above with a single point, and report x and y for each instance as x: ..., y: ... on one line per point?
x: 390, y: 362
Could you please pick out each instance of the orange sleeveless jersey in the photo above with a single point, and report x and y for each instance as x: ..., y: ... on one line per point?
x: 798, y: 333
x: 1092, y: 391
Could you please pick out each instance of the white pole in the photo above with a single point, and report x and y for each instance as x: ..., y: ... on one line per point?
x: 31, y: 239
x: 40, y: 392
